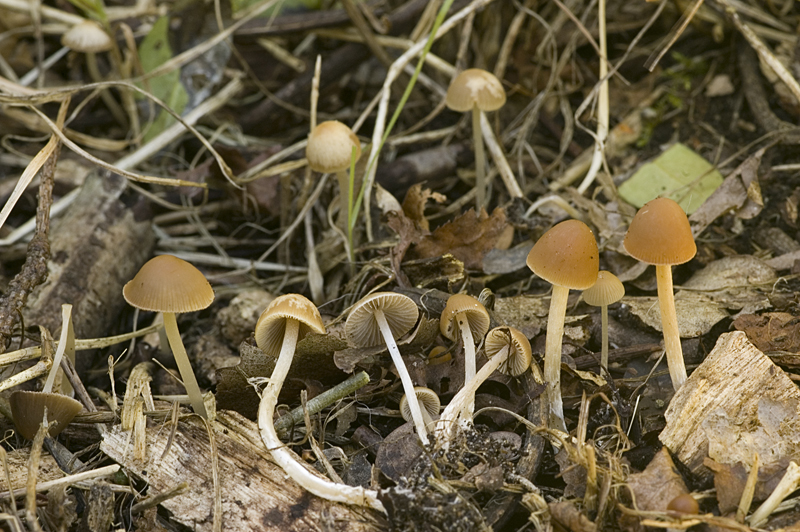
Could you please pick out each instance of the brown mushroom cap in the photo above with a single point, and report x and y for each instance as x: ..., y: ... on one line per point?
x: 271, y: 325
x: 475, y: 87
x: 330, y: 147
x: 607, y: 290
x: 427, y: 399
x: 27, y: 410
x: 168, y: 284
x: 566, y: 255
x: 361, y: 327
x: 519, y: 357
x: 684, y: 504
x: 660, y: 234
x: 87, y: 37
x: 477, y: 316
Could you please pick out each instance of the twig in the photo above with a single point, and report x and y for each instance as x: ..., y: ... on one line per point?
x: 65, y: 481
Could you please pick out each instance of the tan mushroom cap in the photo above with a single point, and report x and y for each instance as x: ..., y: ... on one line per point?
x: 87, y: 37
x: 607, y: 290
x: 427, y: 399
x: 477, y: 316
x: 475, y: 87
x: 271, y: 325
x: 566, y: 255
x: 330, y: 147
x: 660, y: 234
x: 519, y: 357
x: 27, y: 410
x: 168, y: 284
x: 361, y: 327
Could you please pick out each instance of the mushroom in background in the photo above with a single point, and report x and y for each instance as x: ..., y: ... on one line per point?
x: 607, y: 290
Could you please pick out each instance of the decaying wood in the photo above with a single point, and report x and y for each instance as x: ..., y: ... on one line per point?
x: 18, y: 469
x: 256, y: 495
x: 96, y: 248
x: 735, y: 403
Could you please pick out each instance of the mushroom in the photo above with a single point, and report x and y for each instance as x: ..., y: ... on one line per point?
x: 466, y: 315
x: 87, y: 37
x: 606, y: 291
x: 284, y: 323
x: 381, y: 318
x: 508, y: 351
x: 566, y: 256
x: 428, y: 400
x: 171, y: 285
x: 476, y: 90
x: 659, y: 234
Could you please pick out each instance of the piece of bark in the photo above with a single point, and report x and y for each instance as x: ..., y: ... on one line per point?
x: 736, y: 403
x: 18, y: 469
x: 95, y: 248
x: 256, y: 494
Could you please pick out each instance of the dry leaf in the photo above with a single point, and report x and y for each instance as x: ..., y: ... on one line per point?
x: 414, y: 205
x: 773, y: 331
x: 658, y: 484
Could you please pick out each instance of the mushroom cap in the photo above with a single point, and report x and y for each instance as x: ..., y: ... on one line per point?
x: 330, y: 146
x: 87, y: 37
x: 361, y: 326
x: 271, y: 325
x: 168, y: 284
x: 660, y: 234
x: 519, y: 357
x: 477, y: 316
x: 27, y: 410
x: 607, y: 290
x: 427, y: 399
x: 684, y: 504
x: 475, y: 87
x: 566, y: 255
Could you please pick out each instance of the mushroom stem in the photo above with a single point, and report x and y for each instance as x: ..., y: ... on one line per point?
x: 184, y: 366
x: 669, y: 324
x: 604, y: 347
x: 285, y: 458
x: 466, y: 395
x: 480, y: 159
x: 552, y: 357
x: 405, y: 378
x: 469, y: 352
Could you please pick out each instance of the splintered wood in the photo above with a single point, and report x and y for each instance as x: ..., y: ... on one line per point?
x: 256, y: 495
x: 735, y: 404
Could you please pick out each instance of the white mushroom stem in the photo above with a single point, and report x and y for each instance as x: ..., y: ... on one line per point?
x: 466, y: 396
x: 669, y: 324
x: 184, y: 366
x: 480, y: 159
x: 285, y: 458
x: 789, y: 483
x: 469, y: 352
x: 405, y: 378
x: 552, y: 357
x: 604, y: 347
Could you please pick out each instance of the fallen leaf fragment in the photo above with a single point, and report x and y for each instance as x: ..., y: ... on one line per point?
x: 658, y: 484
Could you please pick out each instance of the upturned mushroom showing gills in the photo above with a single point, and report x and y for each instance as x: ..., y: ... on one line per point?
x: 465, y: 316
x: 607, y: 290
x: 476, y: 90
x: 383, y: 317
x: 429, y: 402
x: 171, y: 285
x: 284, y: 323
x: 566, y: 256
x: 660, y: 234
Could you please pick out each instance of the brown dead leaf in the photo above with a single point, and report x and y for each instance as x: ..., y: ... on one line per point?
x: 571, y: 517
x: 414, y: 205
x: 468, y: 238
x: 658, y: 484
x: 773, y: 331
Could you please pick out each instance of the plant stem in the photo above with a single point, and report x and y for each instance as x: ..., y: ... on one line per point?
x: 480, y: 160
x: 669, y: 324
x: 184, y: 366
x: 552, y: 357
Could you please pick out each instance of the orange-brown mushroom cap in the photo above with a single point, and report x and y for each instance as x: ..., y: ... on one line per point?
x: 475, y: 87
x: 566, y: 255
x: 660, y: 234
x: 271, y: 325
x: 607, y: 290
x: 477, y: 316
x: 330, y: 147
x: 168, y: 284
x: 519, y: 356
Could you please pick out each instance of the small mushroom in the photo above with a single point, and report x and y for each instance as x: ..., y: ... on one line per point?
x: 171, y: 285
x: 660, y: 234
x: 330, y: 150
x: 87, y: 37
x: 606, y: 291
x: 566, y: 256
x: 465, y: 315
x: 508, y: 351
x: 383, y: 317
x: 430, y: 406
x: 476, y: 90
